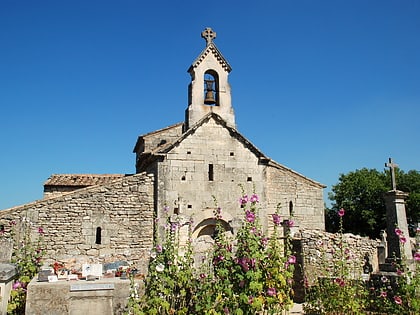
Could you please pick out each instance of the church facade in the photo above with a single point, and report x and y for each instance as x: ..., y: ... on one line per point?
x: 183, y: 171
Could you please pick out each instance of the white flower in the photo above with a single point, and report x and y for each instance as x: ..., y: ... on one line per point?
x: 153, y: 254
x: 160, y: 267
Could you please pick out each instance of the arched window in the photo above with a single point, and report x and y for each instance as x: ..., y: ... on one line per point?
x: 98, y: 235
x: 291, y: 213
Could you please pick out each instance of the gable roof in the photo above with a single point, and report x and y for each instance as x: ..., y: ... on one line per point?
x: 211, y: 48
x: 162, y: 150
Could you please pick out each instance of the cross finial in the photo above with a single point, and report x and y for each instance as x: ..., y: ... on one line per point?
x: 208, y: 34
x: 392, y: 167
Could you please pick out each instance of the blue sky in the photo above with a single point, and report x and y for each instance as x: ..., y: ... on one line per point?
x: 322, y: 87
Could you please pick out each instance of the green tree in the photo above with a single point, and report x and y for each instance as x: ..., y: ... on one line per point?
x: 361, y: 193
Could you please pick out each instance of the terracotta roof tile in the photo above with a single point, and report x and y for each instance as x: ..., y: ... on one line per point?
x: 81, y: 179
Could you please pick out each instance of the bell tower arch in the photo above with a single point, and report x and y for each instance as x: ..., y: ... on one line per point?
x: 209, y: 89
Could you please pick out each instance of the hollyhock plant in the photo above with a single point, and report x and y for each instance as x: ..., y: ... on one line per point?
x: 250, y: 216
x: 341, y: 212
x: 276, y: 219
x: 254, y: 198
x: 243, y: 200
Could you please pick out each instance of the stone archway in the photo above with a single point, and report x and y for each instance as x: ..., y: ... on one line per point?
x: 203, y: 239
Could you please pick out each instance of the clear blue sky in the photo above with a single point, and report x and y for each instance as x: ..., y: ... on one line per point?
x: 322, y: 87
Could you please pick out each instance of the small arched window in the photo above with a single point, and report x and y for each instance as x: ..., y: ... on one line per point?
x: 98, y: 235
x: 291, y: 213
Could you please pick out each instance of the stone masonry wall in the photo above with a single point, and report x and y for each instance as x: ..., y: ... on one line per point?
x: 121, y: 212
x: 298, y: 197
x: 319, y: 249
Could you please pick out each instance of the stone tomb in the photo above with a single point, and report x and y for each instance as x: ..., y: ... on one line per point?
x: 105, y: 296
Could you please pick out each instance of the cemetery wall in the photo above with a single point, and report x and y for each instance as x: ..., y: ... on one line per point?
x: 319, y: 250
x: 98, y: 224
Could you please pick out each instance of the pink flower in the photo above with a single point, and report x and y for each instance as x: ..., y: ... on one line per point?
x: 398, y: 232
x: 276, y: 219
x: 203, y: 275
x: 397, y: 300
x: 159, y: 248
x: 41, y: 230
x: 403, y: 239
x: 250, y: 216
x: 254, y: 198
x: 16, y: 285
x: 250, y: 300
x: 264, y: 241
x: 383, y: 294
x: 290, y: 223
x: 341, y: 212
x: 243, y: 200
x: 292, y: 259
x: 417, y: 256
x: 340, y: 282
x: 271, y: 291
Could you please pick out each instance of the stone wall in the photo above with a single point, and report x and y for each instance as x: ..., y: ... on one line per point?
x: 96, y: 224
x: 319, y: 249
x: 214, y: 161
x: 297, y: 195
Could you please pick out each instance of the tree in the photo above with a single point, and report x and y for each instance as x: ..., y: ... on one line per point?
x: 361, y: 194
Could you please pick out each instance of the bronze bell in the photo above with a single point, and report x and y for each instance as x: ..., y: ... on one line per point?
x: 209, y: 99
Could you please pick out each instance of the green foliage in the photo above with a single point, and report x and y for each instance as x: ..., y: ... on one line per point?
x: 361, y: 193
x: 398, y: 294
x: 337, y: 289
x: 246, y: 274
x: 27, y: 256
x: 170, y: 282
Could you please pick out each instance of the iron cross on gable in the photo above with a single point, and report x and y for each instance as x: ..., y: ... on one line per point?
x: 208, y: 34
x: 392, y: 167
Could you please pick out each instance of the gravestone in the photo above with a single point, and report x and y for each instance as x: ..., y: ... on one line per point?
x: 8, y: 272
x: 396, y: 218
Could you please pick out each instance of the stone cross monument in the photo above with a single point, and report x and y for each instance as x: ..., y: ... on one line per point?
x: 396, y: 218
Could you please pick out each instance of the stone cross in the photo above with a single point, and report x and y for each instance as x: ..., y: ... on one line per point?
x: 392, y: 167
x: 208, y: 34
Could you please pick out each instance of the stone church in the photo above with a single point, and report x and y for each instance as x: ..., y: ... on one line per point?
x: 182, y: 171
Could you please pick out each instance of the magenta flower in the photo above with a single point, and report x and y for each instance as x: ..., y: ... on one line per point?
x: 292, y: 259
x: 341, y: 212
x: 383, y: 294
x: 243, y: 200
x: 340, y: 282
x: 264, y: 241
x: 417, y: 256
x: 271, y: 291
x: 276, y: 219
x: 16, y: 285
x: 290, y: 223
x: 254, y: 198
x: 398, y: 232
x: 250, y: 216
x: 250, y: 300
x: 41, y: 231
x: 403, y: 239
x: 159, y: 248
x: 397, y: 300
